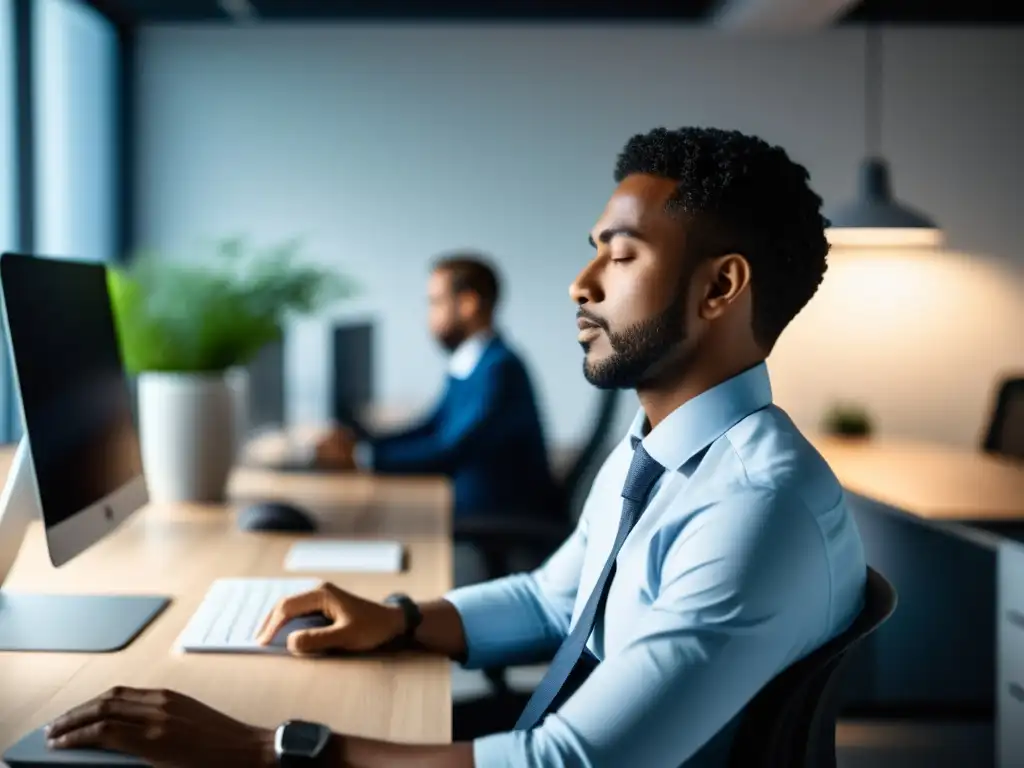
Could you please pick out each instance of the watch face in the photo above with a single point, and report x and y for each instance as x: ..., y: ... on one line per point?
x: 301, y: 738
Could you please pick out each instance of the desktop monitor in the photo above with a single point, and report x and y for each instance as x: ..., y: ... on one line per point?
x: 267, y: 388
x: 352, y: 371
x: 79, y: 465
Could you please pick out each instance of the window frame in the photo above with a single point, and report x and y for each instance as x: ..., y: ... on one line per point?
x: 25, y: 214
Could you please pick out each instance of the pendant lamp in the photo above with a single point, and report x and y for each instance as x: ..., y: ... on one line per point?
x: 876, y: 218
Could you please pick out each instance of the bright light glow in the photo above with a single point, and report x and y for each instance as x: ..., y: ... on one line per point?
x: 879, y: 237
x: 918, y: 336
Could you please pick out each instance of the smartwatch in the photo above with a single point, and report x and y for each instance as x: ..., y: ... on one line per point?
x: 298, y: 744
x: 413, y: 618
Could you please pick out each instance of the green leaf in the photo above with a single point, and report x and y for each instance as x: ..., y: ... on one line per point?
x: 206, y: 315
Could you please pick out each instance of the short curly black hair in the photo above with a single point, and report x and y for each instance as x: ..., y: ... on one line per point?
x: 743, y: 196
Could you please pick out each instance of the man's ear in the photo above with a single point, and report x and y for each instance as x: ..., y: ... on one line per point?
x: 467, y: 305
x: 727, y: 279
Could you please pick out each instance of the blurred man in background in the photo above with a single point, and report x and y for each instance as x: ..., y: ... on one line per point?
x: 485, y: 432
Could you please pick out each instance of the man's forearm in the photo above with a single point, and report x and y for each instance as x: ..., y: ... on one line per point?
x: 441, y: 630
x: 354, y: 752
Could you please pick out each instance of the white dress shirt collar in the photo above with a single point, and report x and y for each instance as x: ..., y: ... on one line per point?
x: 699, y: 422
x: 467, y: 355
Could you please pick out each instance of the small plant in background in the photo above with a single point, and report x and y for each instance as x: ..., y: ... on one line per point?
x: 207, y: 316
x: 847, y: 420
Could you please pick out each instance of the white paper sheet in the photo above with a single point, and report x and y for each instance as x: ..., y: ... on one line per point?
x: 349, y: 556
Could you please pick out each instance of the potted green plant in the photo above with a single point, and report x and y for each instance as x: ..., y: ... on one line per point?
x: 848, y: 420
x: 187, y: 328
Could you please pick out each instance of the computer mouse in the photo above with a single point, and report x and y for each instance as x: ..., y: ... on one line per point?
x: 313, y: 622
x: 309, y: 621
x: 275, y: 516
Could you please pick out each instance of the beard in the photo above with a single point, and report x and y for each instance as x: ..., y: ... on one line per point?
x: 639, y: 350
x: 450, y: 338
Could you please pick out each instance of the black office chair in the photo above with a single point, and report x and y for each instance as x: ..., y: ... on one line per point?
x: 791, y: 723
x: 1005, y: 435
x: 501, y: 539
x: 577, y: 482
x: 531, y: 537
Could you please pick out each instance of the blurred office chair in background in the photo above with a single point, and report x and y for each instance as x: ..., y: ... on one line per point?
x: 1005, y: 434
x: 510, y: 543
x: 531, y: 538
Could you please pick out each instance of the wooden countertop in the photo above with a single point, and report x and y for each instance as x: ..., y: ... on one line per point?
x: 177, y: 550
x: 929, y: 480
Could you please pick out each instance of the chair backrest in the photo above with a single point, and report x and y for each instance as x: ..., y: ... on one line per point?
x: 575, y: 485
x: 1005, y: 434
x: 791, y: 723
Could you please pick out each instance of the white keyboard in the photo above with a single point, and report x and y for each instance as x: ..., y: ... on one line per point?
x: 233, y: 610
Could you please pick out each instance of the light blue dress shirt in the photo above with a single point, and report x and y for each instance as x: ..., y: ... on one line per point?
x: 745, y: 560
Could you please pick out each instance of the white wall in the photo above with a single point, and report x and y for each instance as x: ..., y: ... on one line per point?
x: 386, y: 145
x: 74, y: 70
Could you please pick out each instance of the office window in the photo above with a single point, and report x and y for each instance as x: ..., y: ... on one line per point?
x: 8, y: 185
x: 74, y: 77
x: 8, y: 172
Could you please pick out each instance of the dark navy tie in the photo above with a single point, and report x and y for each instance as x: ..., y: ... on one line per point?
x: 643, y: 473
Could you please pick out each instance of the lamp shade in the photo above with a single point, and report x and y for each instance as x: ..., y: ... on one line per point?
x: 877, y: 219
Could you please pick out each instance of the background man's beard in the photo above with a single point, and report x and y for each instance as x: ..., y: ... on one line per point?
x: 639, y: 349
x: 451, y: 339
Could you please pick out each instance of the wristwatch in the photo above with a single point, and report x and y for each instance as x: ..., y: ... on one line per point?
x: 298, y: 744
x: 413, y: 617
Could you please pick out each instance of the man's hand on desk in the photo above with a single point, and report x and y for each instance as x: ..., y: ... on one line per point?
x: 336, y: 449
x: 164, y: 728
x: 171, y: 730
x: 356, y: 624
x: 362, y: 625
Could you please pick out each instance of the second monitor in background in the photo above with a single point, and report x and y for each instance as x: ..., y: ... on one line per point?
x: 352, y: 379
x: 266, y: 391
x: 351, y: 393
x: 350, y: 384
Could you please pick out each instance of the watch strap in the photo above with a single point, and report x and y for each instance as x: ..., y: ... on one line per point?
x: 411, y: 613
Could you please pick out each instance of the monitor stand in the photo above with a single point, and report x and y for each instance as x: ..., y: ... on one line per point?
x: 64, y: 623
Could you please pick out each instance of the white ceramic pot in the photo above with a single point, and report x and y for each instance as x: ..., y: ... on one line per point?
x: 188, y: 434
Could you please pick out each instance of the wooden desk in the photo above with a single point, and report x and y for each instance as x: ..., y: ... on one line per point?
x: 931, y: 481
x: 177, y: 551
x: 931, y: 518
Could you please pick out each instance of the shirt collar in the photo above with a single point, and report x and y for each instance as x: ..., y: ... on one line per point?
x: 699, y: 422
x: 467, y: 355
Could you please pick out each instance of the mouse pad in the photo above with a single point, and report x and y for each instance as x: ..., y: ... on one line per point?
x: 32, y: 752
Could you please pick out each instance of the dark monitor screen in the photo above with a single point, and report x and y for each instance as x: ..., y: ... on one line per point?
x: 75, y: 400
